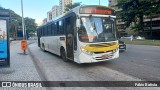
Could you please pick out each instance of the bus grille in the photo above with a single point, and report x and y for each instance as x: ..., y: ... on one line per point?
x: 98, y: 56
x: 103, y: 52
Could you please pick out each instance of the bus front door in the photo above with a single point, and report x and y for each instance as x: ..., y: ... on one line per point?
x: 69, y: 38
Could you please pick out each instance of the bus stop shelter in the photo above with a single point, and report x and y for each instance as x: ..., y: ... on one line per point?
x: 4, y: 37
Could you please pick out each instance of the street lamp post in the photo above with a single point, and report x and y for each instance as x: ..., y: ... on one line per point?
x: 23, y: 42
x: 22, y: 20
x: 99, y: 2
x: 25, y: 29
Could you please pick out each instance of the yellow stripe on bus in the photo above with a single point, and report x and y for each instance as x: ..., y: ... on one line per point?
x: 101, y: 47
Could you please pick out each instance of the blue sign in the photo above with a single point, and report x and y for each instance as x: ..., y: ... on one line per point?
x: 3, y: 41
x: 3, y: 49
x: 4, y: 38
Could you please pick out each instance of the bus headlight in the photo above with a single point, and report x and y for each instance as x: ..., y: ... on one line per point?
x: 86, y: 51
x: 114, y: 50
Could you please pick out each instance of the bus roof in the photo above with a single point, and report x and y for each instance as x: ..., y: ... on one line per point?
x: 77, y: 11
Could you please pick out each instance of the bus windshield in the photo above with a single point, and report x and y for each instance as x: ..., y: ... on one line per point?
x: 97, y: 29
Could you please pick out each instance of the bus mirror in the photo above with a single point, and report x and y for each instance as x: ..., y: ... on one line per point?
x: 78, y: 23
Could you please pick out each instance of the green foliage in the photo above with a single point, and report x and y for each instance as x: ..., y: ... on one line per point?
x: 70, y: 6
x: 30, y: 24
x: 16, y: 23
x: 134, y: 10
x: 15, y: 18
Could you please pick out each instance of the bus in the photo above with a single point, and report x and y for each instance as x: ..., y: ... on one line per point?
x: 85, y: 34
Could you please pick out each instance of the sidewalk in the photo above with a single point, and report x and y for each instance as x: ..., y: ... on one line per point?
x: 21, y: 67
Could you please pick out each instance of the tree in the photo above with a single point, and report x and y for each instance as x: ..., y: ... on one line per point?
x: 30, y: 25
x: 135, y: 10
x: 70, y: 6
x: 16, y: 25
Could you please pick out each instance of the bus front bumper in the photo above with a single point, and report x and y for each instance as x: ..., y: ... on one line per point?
x: 84, y: 58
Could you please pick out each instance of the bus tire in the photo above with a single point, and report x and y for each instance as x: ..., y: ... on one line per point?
x: 43, y: 47
x: 63, y: 55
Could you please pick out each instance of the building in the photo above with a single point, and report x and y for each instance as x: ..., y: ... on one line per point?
x: 49, y: 16
x: 45, y: 20
x: 119, y: 22
x: 112, y: 3
x: 151, y: 24
x: 55, y: 11
x: 63, y: 3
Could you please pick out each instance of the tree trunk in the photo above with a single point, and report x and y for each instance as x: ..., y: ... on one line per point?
x: 151, y: 26
x: 142, y: 25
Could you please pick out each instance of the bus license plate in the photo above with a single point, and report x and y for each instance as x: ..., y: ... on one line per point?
x: 106, y: 56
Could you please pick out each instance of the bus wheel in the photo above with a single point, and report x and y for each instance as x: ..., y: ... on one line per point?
x: 43, y: 48
x: 63, y: 55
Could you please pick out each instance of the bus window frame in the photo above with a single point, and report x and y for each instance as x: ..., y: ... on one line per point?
x: 61, y: 29
x: 49, y: 30
x: 52, y: 28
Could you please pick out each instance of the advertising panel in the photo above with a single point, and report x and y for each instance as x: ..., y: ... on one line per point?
x: 4, y: 37
x: 3, y: 40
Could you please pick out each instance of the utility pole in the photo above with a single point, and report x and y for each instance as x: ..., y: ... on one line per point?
x: 25, y: 29
x: 23, y: 42
x: 22, y: 20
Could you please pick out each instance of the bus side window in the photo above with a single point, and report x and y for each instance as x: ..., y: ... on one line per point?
x: 43, y: 31
x: 52, y: 28
x: 61, y: 30
x: 58, y: 31
x: 49, y: 30
x: 55, y: 28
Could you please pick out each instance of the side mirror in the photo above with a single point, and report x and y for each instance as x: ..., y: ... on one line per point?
x: 78, y: 22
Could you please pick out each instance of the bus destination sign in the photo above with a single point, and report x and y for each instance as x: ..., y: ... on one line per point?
x: 96, y: 10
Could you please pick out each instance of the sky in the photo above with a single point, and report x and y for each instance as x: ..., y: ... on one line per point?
x: 37, y: 9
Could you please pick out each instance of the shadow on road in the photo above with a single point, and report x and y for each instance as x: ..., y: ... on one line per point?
x: 84, y: 65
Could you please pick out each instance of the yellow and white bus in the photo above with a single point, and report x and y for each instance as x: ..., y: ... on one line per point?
x: 85, y: 34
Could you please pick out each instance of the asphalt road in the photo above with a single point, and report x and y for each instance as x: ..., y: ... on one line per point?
x: 135, y: 64
x: 142, y: 62
x: 139, y: 61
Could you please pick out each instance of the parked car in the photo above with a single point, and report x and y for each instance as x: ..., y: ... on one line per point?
x: 32, y: 38
x: 140, y: 38
x: 127, y: 37
x: 122, y: 45
x: 11, y: 39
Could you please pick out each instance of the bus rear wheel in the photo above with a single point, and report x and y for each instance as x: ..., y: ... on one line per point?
x: 63, y: 55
